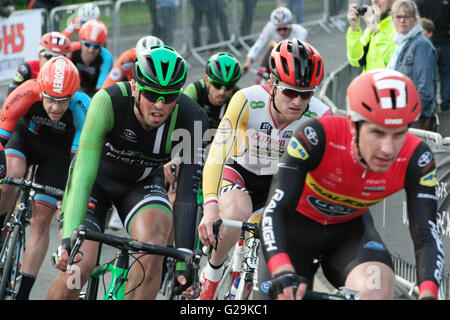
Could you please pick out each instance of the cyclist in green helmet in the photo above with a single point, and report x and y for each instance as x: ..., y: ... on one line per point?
x: 129, y: 134
x: 215, y: 90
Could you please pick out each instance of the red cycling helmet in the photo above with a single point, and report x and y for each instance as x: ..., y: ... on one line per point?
x: 297, y: 63
x: 94, y: 31
x: 383, y: 96
x: 55, y: 42
x: 59, y: 78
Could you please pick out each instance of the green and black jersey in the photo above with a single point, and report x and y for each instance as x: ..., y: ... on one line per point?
x: 114, y: 143
x: 198, y: 91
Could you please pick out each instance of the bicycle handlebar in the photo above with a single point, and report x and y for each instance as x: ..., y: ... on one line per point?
x: 80, y: 234
x: 27, y: 184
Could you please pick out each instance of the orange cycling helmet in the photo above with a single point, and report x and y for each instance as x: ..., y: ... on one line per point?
x: 94, y: 31
x: 59, y: 78
x: 55, y: 42
x: 383, y: 96
x: 297, y: 63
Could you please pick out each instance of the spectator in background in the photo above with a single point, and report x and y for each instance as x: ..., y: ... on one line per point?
x: 166, y: 12
x: 247, y: 16
x: 6, y: 8
x: 86, y: 55
x: 373, y: 48
x: 415, y: 56
x: 427, y: 27
x: 86, y: 12
x: 438, y: 11
x: 45, y: 4
x: 218, y: 11
x: 203, y: 8
x: 298, y: 4
x: 278, y: 28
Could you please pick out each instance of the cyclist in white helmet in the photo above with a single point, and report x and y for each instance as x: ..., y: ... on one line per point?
x: 279, y: 27
x: 123, y: 67
x: 88, y: 11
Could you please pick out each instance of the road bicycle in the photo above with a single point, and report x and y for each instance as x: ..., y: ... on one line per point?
x: 13, y: 232
x: 120, y: 266
x: 239, y: 271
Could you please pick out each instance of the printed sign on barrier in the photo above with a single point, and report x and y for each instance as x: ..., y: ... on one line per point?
x: 19, y: 40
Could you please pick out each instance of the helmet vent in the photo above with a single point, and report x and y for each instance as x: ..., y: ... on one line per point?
x: 376, y: 94
x: 367, y: 107
x: 394, y: 100
x: 285, y: 65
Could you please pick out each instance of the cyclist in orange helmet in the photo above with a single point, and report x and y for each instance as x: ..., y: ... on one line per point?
x: 40, y: 123
x: 52, y: 44
x: 90, y: 56
x: 334, y: 169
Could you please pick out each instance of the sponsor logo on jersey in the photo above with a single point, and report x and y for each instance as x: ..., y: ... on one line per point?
x: 375, y: 188
x: 18, y: 77
x: 330, y: 209
x: 311, y: 135
x: 129, y: 135
x: 375, y: 245
x: 267, y: 126
x: 115, y: 74
x: 296, y: 149
x: 257, y: 104
x: 58, y: 80
x: 310, y: 114
x: 224, y: 132
x: 428, y: 180
x: 425, y: 159
x: 336, y: 197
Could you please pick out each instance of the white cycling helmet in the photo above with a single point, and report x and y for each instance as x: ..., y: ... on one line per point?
x: 281, y: 17
x: 89, y: 11
x: 145, y: 43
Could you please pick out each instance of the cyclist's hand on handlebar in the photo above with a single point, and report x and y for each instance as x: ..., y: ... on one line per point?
x: 205, y: 228
x: 187, y: 292
x: 286, y: 285
x: 60, y: 258
x: 168, y: 175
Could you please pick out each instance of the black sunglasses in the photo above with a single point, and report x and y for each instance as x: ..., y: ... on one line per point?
x: 154, y: 95
x: 219, y: 86
x: 283, y: 29
x: 292, y: 93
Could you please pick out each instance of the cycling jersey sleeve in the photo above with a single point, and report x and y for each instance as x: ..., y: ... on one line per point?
x: 261, y: 42
x: 284, y: 194
x: 191, y: 92
x: 231, y: 126
x: 122, y: 68
x: 99, y: 121
x: 105, y: 67
x: 422, y: 206
x: 15, y: 106
x: 79, y: 106
x: 194, y: 120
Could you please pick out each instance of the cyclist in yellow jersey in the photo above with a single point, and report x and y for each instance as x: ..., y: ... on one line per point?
x: 251, y: 137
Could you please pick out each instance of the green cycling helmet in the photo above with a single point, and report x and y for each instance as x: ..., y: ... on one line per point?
x: 160, y: 67
x: 223, y: 68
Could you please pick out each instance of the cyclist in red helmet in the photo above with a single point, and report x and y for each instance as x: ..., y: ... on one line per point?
x: 40, y: 123
x: 342, y: 166
x: 93, y: 60
x: 251, y: 137
x: 51, y: 45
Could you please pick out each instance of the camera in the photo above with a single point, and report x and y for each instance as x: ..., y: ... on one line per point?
x: 361, y: 10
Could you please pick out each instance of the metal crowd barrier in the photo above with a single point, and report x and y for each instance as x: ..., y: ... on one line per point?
x: 129, y: 20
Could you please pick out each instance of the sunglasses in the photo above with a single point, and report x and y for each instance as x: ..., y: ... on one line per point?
x: 48, y: 55
x: 219, y: 85
x: 154, y: 95
x: 283, y: 29
x: 292, y: 93
x: 88, y: 44
x: 56, y: 99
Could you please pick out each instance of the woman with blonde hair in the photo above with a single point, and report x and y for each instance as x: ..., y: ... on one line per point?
x: 416, y: 57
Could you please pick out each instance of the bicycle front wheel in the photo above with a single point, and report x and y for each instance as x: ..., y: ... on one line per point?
x: 10, y: 271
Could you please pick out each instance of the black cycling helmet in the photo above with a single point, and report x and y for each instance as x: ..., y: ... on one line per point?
x: 224, y: 68
x: 160, y: 67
